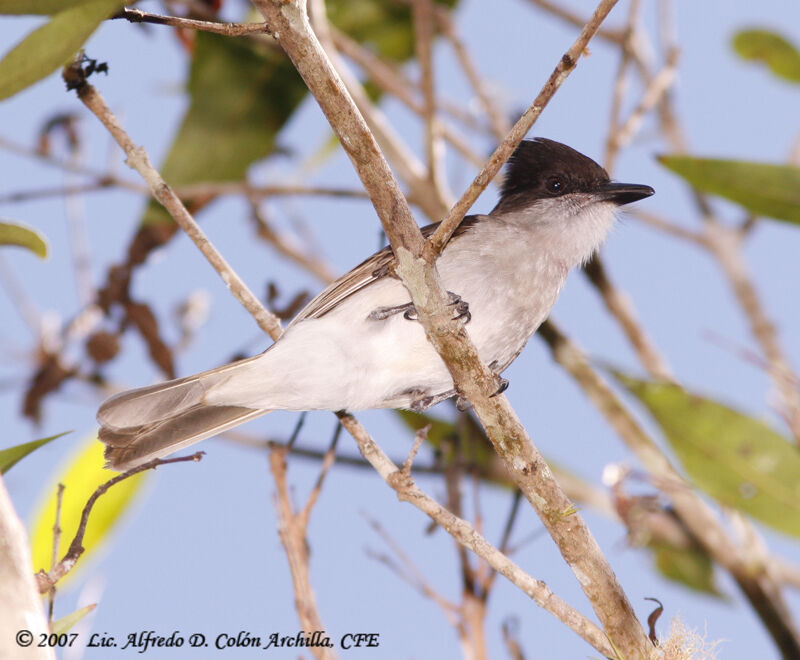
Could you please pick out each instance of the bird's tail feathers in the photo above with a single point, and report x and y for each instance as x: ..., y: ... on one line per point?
x: 150, y: 422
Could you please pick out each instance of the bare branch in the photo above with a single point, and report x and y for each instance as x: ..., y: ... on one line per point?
x: 566, y: 64
x: 327, y: 462
x: 758, y: 585
x: 423, y: 13
x: 349, y: 91
x: 393, y: 82
x: 51, y: 596
x: 137, y: 158
x: 620, y: 307
x: 609, y: 34
x: 26, y: 307
x: 656, y: 89
x: 497, y: 119
x: 69, y: 166
x: 411, y: 573
x: 226, y: 29
x: 668, y: 227
x: 292, y: 532
x: 287, y: 248
x: 725, y: 244
x: 465, y: 534
x: 621, y: 84
x: 48, y: 580
x: 474, y: 380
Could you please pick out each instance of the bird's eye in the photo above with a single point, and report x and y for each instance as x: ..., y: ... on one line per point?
x: 554, y: 185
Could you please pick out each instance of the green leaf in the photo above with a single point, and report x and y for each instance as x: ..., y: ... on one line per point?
x: 242, y: 93
x: 738, y: 460
x: 13, y: 455
x: 761, y: 188
x: 18, y: 7
x: 82, y: 473
x: 776, y: 52
x: 462, y: 442
x: 690, y: 567
x: 14, y: 233
x: 51, y: 46
x: 63, y: 624
x: 385, y: 26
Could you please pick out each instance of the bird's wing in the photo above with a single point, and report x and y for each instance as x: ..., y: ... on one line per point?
x: 376, y: 267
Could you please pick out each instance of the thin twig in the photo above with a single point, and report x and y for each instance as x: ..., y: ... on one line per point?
x: 467, y: 535
x: 394, y: 82
x: 47, y: 580
x: 672, y: 228
x: 210, y: 189
x: 725, y: 244
x: 566, y: 64
x: 609, y: 34
x: 497, y: 119
x: 60, y: 191
x: 423, y: 15
x: 226, y: 29
x: 656, y: 89
x: 412, y: 573
x: 620, y: 86
x: 419, y: 437
x: 51, y: 594
x: 369, y: 127
x: 504, y: 540
x: 620, y: 307
x: 758, y: 586
x: 26, y: 307
x: 292, y: 533
x: 79, y: 240
x: 327, y: 463
x: 137, y: 158
x: 312, y: 263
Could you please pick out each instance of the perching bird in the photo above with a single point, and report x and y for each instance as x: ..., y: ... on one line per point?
x: 357, y: 345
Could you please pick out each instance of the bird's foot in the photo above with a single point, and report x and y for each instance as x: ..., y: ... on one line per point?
x: 409, y: 312
x: 383, y: 313
x: 460, y: 307
x: 502, y: 385
x: 424, y: 402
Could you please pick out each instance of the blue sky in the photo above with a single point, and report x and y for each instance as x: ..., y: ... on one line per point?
x: 200, y: 552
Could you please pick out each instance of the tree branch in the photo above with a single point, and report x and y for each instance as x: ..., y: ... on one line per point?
x: 467, y: 535
x: 290, y: 25
x: 137, y: 159
x: 226, y: 29
x: 47, y: 580
x: 564, y: 67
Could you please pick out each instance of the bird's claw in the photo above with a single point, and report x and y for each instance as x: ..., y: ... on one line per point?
x: 424, y: 402
x: 502, y: 386
x: 460, y: 310
x: 460, y: 307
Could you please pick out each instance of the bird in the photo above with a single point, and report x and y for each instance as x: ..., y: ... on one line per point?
x: 358, y: 345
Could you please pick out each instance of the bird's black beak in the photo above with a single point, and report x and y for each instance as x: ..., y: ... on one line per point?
x: 624, y: 193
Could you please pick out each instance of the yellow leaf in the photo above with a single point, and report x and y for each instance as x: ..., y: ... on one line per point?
x: 81, y: 474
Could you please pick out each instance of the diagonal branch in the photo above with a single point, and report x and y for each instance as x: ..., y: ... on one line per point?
x: 461, y: 530
x: 564, y: 67
x: 753, y: 578
x: 290, y: 24
x: 137, y: 158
